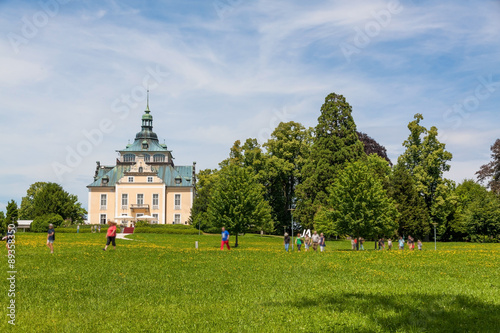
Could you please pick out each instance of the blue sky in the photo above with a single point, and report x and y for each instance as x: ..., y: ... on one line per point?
x: 74, y: 72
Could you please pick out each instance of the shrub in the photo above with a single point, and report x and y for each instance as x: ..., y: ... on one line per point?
x: 167, y: 229
x: 142, y: 224
x: 85, y: 228
x: 41, y: 223
x: 483, y: 239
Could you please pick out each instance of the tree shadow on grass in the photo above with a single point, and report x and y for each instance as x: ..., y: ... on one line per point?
x: 412, y: 312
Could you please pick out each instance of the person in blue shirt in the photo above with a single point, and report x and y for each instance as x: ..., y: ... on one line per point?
x: 9, y: 237
x: 51, y: 237
x: 225, y: 239
x: 401, y: 243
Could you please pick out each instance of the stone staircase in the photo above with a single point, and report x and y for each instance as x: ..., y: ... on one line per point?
x: 128, y: 230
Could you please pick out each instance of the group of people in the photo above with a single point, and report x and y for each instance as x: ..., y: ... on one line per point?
x: 51, y: 236
x: 411, y: 243
x: 380, y: 244
x: 315, y: 240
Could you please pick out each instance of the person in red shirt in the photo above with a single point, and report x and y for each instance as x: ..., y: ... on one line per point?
x: 111, y: 235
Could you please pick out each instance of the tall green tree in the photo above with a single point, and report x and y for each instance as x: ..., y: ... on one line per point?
x: 12, y: 213
x: 248, y: 155
x: 26, y: 210
x: 413, y: 214
x: 478, y: 212
x: 238, y: 203
x: 426, y: 159
x: 359, y: 204
x: 286, y: 152
x: 48, y: 198
x: 205, y: 182
x: 490, y: 173
x: 335, y: 143
x: 3, y: 225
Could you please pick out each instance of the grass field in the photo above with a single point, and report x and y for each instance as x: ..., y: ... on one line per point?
x: 160, y: 283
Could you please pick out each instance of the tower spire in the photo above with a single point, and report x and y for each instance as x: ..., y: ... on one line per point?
x: 147, y: 102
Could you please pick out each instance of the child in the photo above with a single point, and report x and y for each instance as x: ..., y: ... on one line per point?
x: 419, y: 244
x: 389, y: 244
x: 322, y: 242
x: 401, y: 243
x: 8, y: 237
x: 51, y: 237
x: 307, y: 242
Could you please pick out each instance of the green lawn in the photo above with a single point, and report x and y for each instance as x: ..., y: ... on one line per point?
x: 161, y: 283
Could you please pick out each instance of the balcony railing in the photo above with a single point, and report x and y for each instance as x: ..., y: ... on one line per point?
x: 139, y: 206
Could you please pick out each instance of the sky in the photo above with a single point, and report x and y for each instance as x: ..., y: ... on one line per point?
x: 74, y: 76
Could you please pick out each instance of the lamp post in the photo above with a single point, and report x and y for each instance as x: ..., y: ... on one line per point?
x: 434, y: 224
x: 291, y: 230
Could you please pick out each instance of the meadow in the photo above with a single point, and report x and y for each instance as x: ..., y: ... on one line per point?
x: 161, y: 283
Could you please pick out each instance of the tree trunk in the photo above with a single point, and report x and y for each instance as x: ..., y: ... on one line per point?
x: 236, y: 242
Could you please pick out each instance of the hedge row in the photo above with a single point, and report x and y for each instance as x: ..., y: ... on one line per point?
x: 83, y: 229
x: 165, y: 229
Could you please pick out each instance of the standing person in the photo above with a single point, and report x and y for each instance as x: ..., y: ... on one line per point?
x: 322, y: 242
x: 389, y: 244
x: 353, y: 245
x: 99, y: 227
x: 401, y: 243
x: 286, y: 241
x: 111, y: 235
x: 315, y: 240
x: 8, y: 237
x: 298, y: 241
x: 78, y: 229
x: 419, y: 244
x: 224, y: 239
x: 411, y: 243
x: 307, y: 242
x: 361, y: 242
x: 51, y: 237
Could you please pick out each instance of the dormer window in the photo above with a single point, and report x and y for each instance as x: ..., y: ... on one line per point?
x: 158, y: 158
x: 105, y: 180
x: 129, y: 158
x: 178, y: 180
x: 145, y: 144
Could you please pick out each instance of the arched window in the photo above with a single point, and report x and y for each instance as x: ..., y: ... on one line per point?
x: 128, y: 158
x: 158, y: 158
x: 140, y: 169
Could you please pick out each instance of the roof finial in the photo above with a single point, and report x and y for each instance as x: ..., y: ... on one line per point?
x: 147, y: 103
